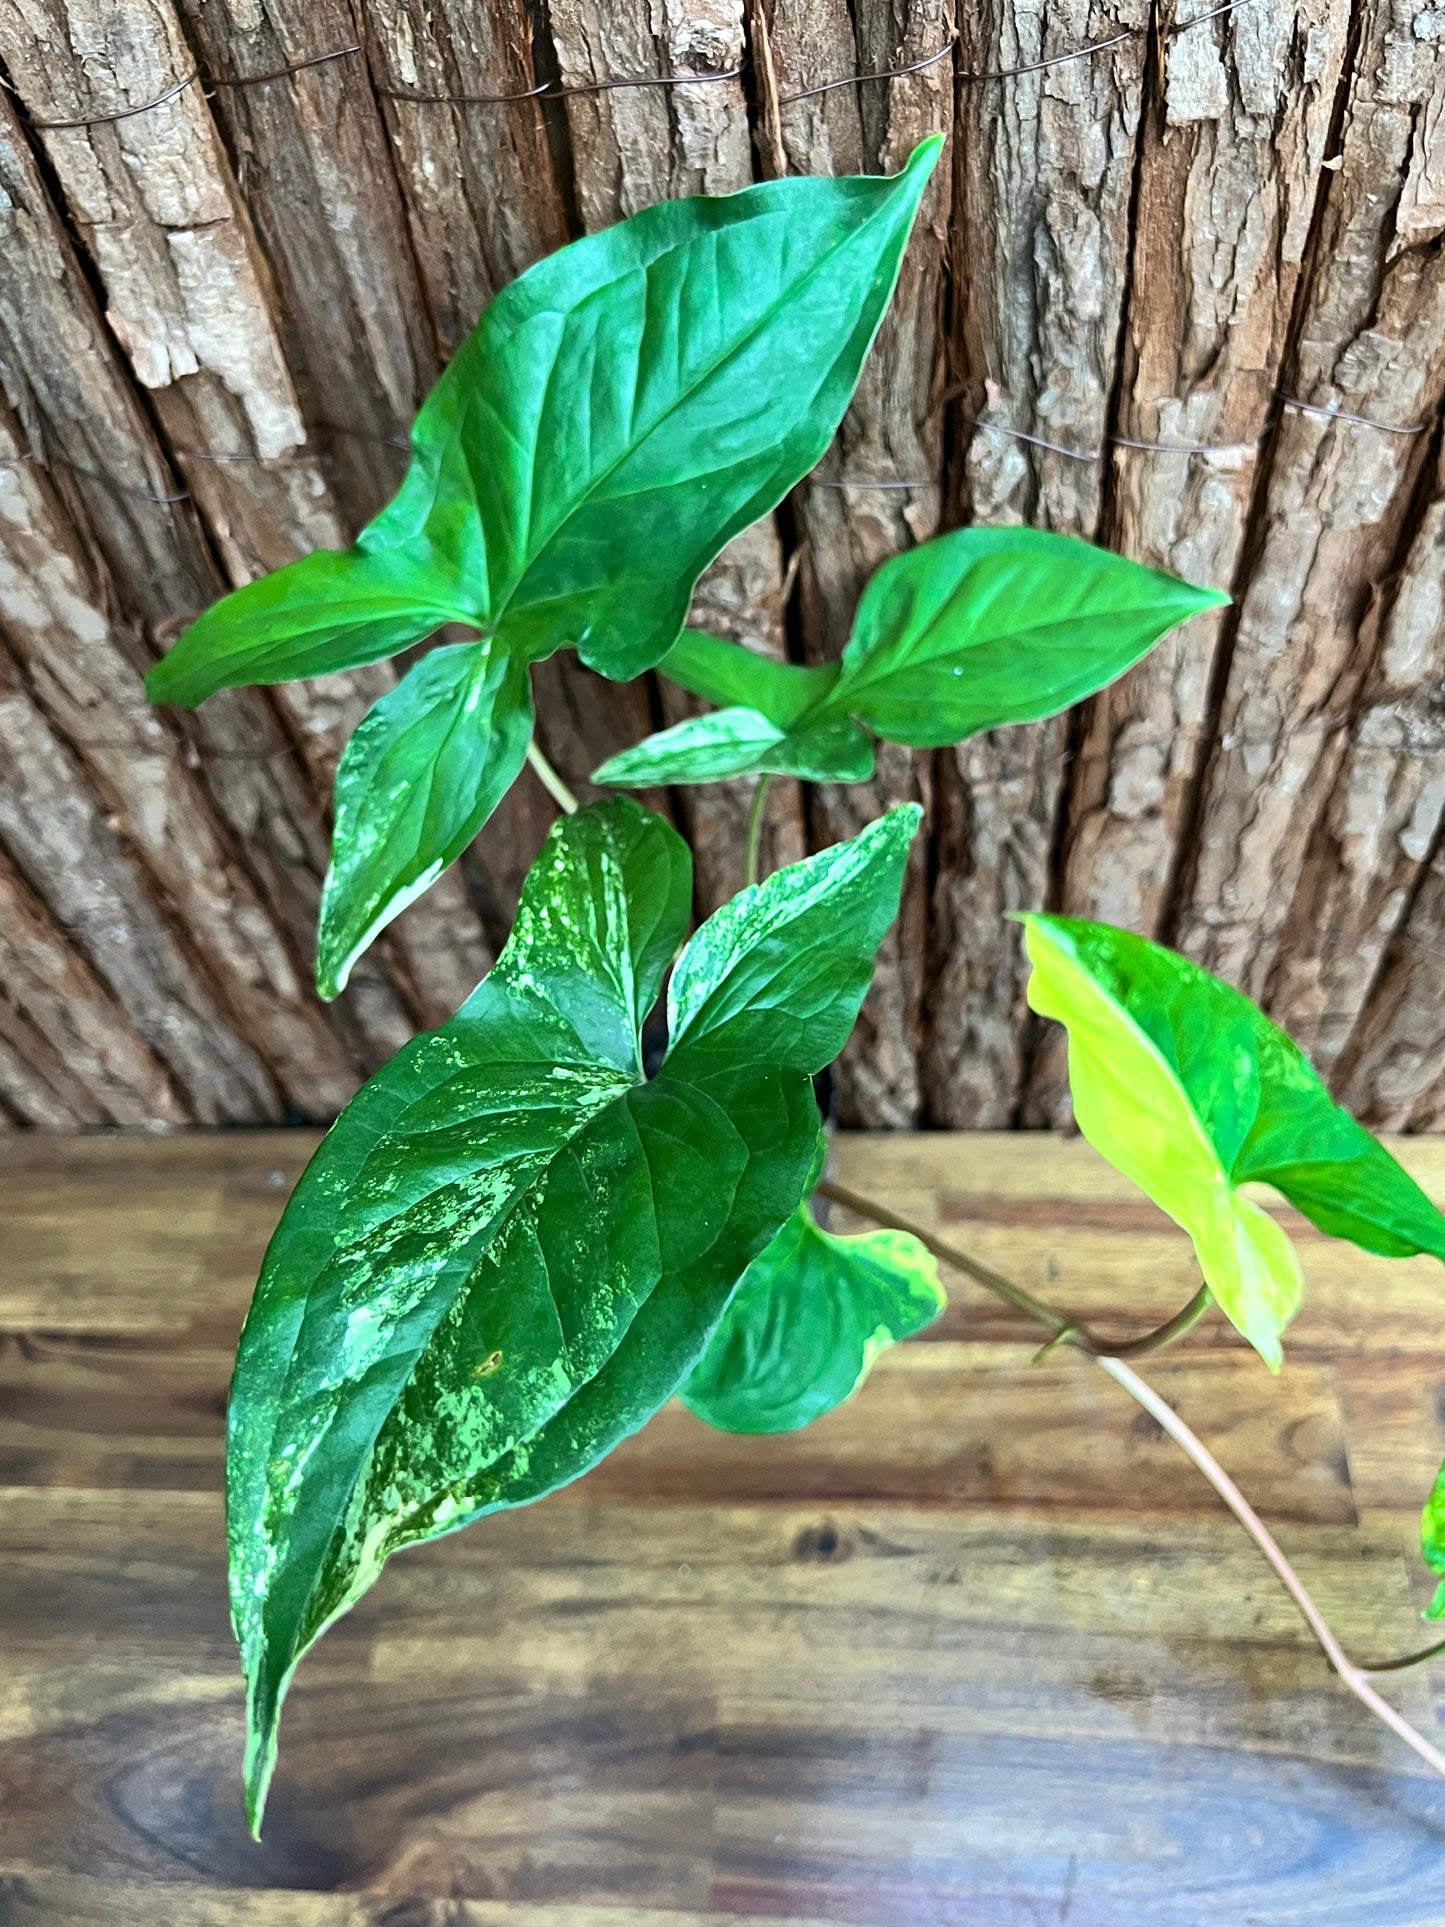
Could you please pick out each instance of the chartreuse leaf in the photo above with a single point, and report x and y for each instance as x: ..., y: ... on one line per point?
x: 964, y: 633
x: 1432, y: 1542
x: 802, y: 1330
x: 621, y: 411
x: 425, y: 769
x: 513, y: 1246
x: 1191, y: 1091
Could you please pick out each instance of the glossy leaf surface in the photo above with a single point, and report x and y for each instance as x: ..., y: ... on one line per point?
x: 513, y: 1246
x: 964, y: 633
x: 726, y: 673
x: 1189, y: 1089
x: 421, y: 775
x: 991, y: 626
x: 622, y: 410
x: 802, y: 1330
x: 739, y: 742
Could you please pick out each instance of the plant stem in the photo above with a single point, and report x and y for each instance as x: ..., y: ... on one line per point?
x: 755, y: 826
x: 1066, y: 1331
x: 1193, y: 1448
x: 993, y: 1281
x: 1408, y: 1659
x: 551, y: 781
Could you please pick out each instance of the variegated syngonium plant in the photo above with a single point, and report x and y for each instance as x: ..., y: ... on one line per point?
x: 516, y: 1243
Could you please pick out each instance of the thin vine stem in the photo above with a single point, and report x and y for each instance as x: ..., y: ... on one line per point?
x: 1405, y: 1660
x: 1064, y: 1330
x: 1204, y: 1460
x: 551, y: 781
x: 756, y: 817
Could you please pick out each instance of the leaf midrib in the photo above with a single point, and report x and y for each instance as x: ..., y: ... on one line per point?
x: 713, y: 368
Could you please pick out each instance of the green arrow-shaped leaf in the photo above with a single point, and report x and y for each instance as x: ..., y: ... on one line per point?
x: 991, y: 626
x: 964, y: 633
x: 621, y: 411
x: 803, y: 1328
x: 425, y: 769
x: 1189, y: 1089
x: 513, y: 1246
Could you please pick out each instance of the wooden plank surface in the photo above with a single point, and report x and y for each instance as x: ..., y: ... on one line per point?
x: 978, y: 1648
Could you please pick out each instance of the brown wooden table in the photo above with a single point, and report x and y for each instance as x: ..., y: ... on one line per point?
x: 980, y: 1648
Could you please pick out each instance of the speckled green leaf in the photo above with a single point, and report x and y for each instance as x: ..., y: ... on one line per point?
x: 1432, y: 1542
x: 425, y: 769
x: 512, y: 1246
x: 620, y: 412
x: 703, y: 749
x: 802, y: 1330
x: 1188, y: 1089
x: 777, y: 975
x: 991, y: 626
x: 739, y: 742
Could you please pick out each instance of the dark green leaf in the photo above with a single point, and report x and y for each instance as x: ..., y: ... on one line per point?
x: 737, y: 742
x: 421, y: 775
x: 991, y: 626
x: 964, y: 633
x: 1192, y: 1092
x: 621, y: 411
x: 512, y: 1247
x: 811, y: 1314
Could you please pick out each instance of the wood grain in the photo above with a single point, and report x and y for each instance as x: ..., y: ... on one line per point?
x: 976, y: 1649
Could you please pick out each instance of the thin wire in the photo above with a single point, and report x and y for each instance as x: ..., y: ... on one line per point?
x: 546, y: 91
x: 280, y: 73
x: 1054, y: 60
x: 178, y: 87
x: 863, y: 481
x: 124, y: 113
x: 116, y: 487
x: 1344, y: 415
x: 1187, y: 448
x: 883, y: 73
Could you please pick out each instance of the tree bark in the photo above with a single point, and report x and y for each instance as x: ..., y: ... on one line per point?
x: 1047, y: 169
x: 892, y: 436
x: 1336, y: 506
x: 1174, y: 237
x: 1383, y: 815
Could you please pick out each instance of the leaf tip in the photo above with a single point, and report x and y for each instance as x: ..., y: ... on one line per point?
x: 260, y: 1762
x: 924, y: 157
